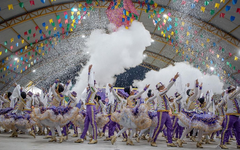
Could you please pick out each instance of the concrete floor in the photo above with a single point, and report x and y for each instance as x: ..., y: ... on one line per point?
x: 26, y: 142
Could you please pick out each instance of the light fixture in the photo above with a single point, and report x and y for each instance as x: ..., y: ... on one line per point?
x: 16, y: 58
x: 84, y: 17
x: 152, y: 40
x: 34, y: 70
x: 83, y: 36
x: 212, y: 68
x: 144, y: 55
x: 87, y: 52
x: 74, y: 9
x: 165, y: 16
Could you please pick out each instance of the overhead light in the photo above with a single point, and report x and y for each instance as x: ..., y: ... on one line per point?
x: 212, y: 68
x: 87, y: 52
x: 74, y: 9
x: 83, y: 36
x: 144, y: 55
x: 34, y: 70
x: 152, y: 40
x: 84, y: 17
x: 16, y: 58
x: 165, y: 16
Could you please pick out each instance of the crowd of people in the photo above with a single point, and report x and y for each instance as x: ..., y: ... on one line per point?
x: 189, y: 113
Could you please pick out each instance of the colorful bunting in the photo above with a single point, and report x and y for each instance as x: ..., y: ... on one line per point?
x: 32, y: 2
x: 10, y: 6
x: 202, y: 9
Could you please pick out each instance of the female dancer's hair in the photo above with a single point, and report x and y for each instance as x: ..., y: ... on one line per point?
x: 149, y: 94
x: 127, y: 90
x: 59, y: 88
x: 9, y: 94
x: 23, y: 95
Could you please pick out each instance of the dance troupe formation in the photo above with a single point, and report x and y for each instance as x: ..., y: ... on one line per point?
x: 126, y: 112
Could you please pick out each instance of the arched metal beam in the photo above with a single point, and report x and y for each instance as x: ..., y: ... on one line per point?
x: 149, y: 66
x: 67, y: 6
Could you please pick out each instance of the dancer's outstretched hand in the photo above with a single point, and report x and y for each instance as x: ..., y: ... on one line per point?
x: 89, y: 68
x: 197, y: 82
x: 176, y: 76
x: 147, y: 86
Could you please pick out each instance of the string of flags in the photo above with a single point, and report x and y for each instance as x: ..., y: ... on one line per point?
x: 28, y: 56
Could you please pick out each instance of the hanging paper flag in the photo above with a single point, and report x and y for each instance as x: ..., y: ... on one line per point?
x: 17, y: 44
x: 66, y: 16
x: 222, y: 15
x: 58, y: 17
x: 12, y: 40
x: 50, y: 21
x: 206, y: 3
x: 232, y: 18
x: 183, y: 2
x: 21, y: 4
x: 40, y: 31
x: 217, y: 5
x: 202, y: 9
x: 25, y: 33
x: 193, y: 5
x: 30, y: 31
x: 10, y: 6
x: 43, y: 24
x: 208, y: 40
x: 59, y: 20
x: 19, y: 36
x: 196, y: 1
x: 236, y: 58
x: 238, y: 10
x: 32, y: 2
x: 227, y: 8
x: 217, y: 56
x: 43, y: 1
x: 5, y: 43
x: 214, y: 44
x: 222, y: 59
x: 28, y: 38
x: 46, y: 27
x: 49, y: 32
x: 212, y: 11
x: 234, y: 2
x: 66, y: 21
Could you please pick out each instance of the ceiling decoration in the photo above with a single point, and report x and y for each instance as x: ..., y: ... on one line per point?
x: 47, y: 36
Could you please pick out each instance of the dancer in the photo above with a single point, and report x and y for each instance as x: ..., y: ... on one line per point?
x: 149, y: 101
x: 162, y: 112
x: 90, y: 111
x: 232, y: 116
x: 197, y: 120
x: 129, y: 118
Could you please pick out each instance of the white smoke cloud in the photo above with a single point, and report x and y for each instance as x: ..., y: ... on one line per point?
x: 112, y: 53
x: 188, y: 74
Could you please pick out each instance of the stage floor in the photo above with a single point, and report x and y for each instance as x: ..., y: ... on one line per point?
x: 26, y: 142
